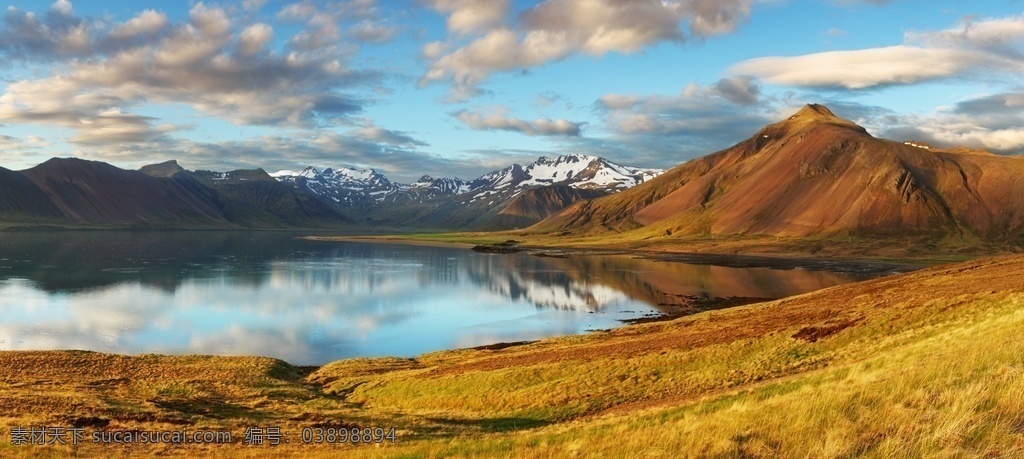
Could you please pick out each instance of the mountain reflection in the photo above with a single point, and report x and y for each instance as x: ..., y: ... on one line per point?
x: 310, y: 302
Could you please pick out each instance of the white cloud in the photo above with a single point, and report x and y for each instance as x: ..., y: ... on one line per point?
x: 861, y: 68
x: 148, y: 22
x: 62, y: 7
x: 469, y: 16
x: 981, y: 48
x: 254, y: 39
x: 498, y: 120
x: 297, y: 11
x: 387, y: 136
x: 373, y: 32
x: 553, y: 30
x: 663, y: 130
x: 195, y: 64
x: 253, y: 5
x: 994, y: 122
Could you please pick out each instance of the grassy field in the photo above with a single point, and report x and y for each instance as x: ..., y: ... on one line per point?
x: 926, y: 364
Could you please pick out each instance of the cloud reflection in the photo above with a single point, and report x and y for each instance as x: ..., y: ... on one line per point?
x: 313, y: 302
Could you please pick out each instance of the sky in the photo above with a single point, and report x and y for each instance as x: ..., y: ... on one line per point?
x: 463, y: 87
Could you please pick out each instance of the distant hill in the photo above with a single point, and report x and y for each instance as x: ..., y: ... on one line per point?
x: 93, y: 192
x: 454, y: 203
x: 815, y: 174
x: 76, y: 192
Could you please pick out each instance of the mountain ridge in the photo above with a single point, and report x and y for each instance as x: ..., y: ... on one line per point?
x: 73, y: 191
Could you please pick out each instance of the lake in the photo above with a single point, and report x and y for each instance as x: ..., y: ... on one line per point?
x: 311, y: 302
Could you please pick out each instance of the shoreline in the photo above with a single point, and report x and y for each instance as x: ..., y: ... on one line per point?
x: 732, y: 260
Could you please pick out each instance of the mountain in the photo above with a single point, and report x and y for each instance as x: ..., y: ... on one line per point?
x: 815, y: 174
x: 480, y: 203
x: 93, y: 192
x: 254, y: 198
x: 70, y: 191
x: 22, y: 199
x: 536, y: 204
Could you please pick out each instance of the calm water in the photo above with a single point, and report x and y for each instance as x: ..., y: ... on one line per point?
x: 309, y: 302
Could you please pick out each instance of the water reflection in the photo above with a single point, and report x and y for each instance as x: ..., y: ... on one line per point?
x: 308, y: 302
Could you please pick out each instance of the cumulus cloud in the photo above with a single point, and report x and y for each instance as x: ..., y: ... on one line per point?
x: 293, y: 152
x: 27, y: 36
x: 206, y: 63
x: 373, y: 32
x: 468, y: 16
x: 499, y: 120
x: 146, y: 23
x: 62, y: 7
x: 553, y: 30
x: 975, y: 48
x: 664, y: 130
x: 255, y: 39
x: 993, y: 122
x: 22, y: 152
x: 387, y: 136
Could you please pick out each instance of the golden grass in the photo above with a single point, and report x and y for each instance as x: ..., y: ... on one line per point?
x: 928, y: 364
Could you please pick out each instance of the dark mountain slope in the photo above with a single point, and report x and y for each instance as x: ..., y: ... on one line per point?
x: 253, y: 198
x: 22, y: 200
x: 96, y: 192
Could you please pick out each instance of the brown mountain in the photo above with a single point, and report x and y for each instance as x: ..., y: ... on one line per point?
x: 74, y: 192
x: 20, y: 198
x: 536, y: 204
x: 96, y: 192
x: 815, y: 174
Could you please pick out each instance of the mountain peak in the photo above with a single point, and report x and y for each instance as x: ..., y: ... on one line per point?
x: 814, y: 111
x: 814, y: 115
x: 165, y: 169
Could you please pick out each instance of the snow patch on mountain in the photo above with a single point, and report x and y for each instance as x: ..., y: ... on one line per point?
x: 366, y: 187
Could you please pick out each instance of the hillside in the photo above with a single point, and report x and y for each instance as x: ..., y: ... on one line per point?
x: 816, y: 175
x: 536, y: 204
x: 22, y: 199
x: 254, y: 198
x: 93, y: 192
x: 71, y: 192
x: 859, y: 370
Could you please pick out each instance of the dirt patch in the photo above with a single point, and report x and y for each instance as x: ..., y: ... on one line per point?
x: 813, y: 334
x: 497, y: 346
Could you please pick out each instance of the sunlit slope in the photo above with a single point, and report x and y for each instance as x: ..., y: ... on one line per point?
x: 924, y: 363
x: 815, y: 174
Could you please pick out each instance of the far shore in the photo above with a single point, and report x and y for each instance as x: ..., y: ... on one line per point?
x: 692, y: 252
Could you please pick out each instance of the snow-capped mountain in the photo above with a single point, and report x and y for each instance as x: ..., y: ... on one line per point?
x: 366, y: 187
x: 446, y: 185
x: 577, y: 171
x: 344, y: 186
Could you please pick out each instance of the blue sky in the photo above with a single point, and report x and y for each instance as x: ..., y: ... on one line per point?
x: 461, y: 87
